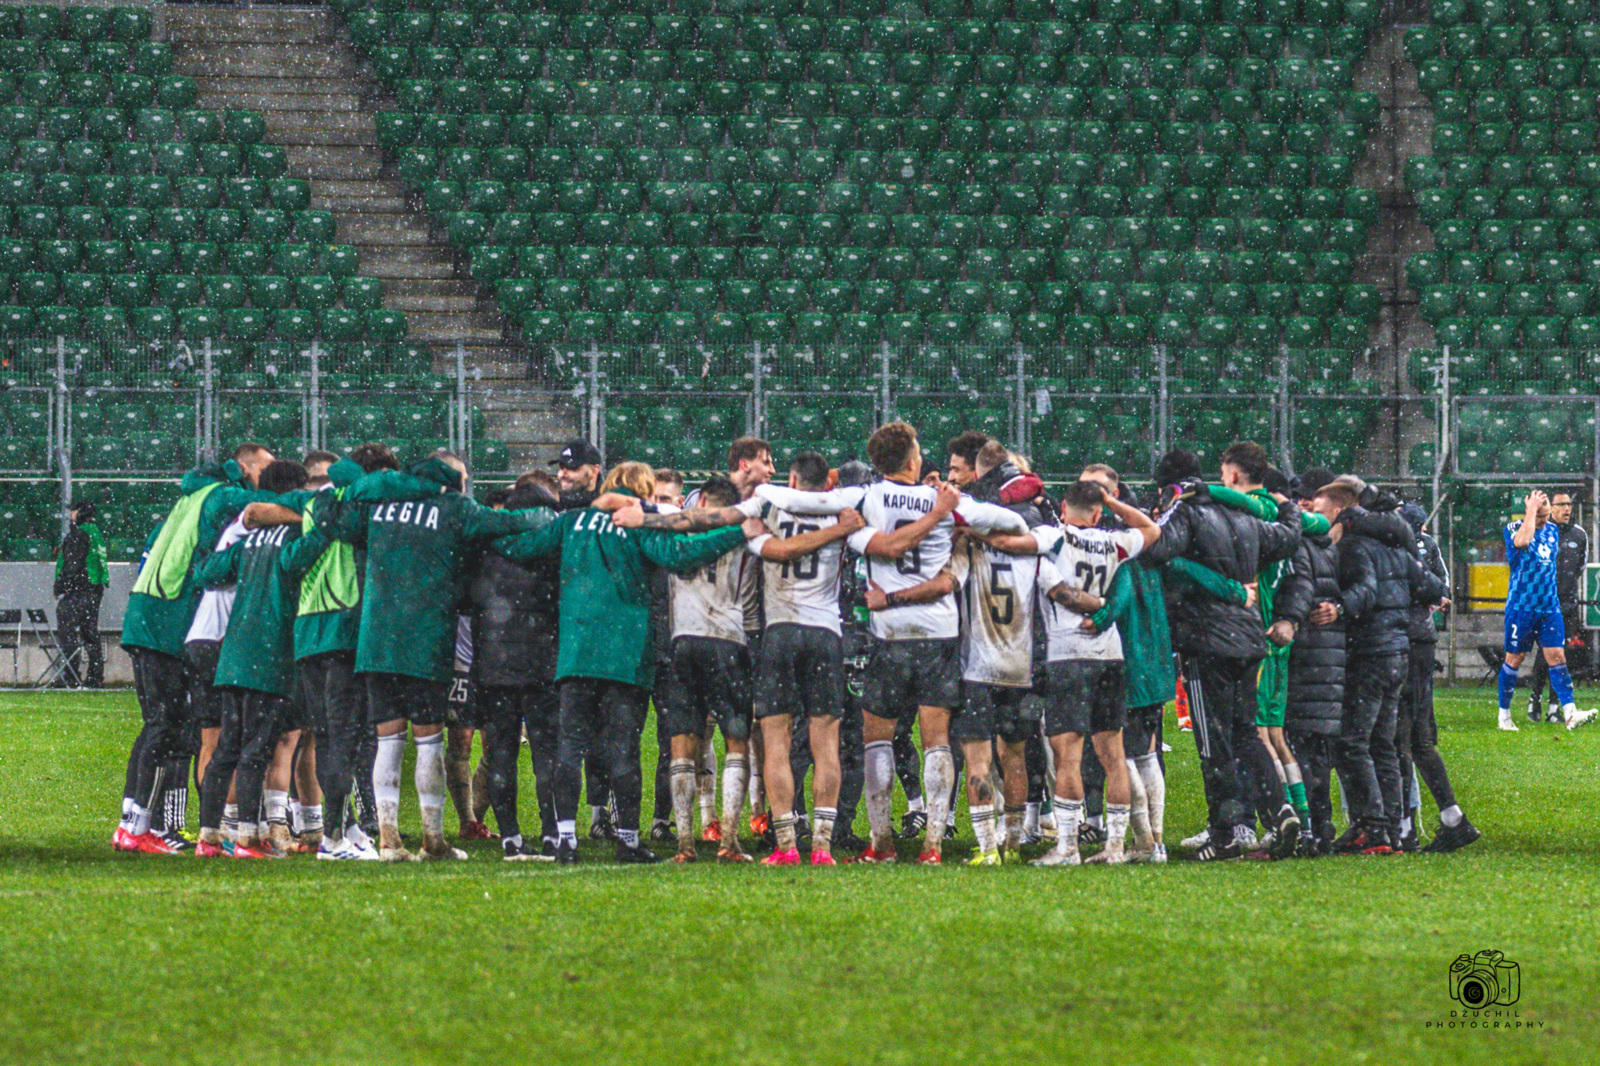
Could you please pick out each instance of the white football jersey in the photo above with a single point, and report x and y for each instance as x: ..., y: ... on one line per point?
x: 997, y: 595
x: 1086, y: 558
x: 216, y: 605
x: 803, y: 591
x: 708, y: 602
x: 887, y: 506
x: 464, y: 642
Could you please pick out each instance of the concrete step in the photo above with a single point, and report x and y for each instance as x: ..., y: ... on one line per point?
x: 429, y: 303
x: 344, y: 122
x: 425, y: 333
x: 216, y: 96
x: 183, y: 28
x: 373, y: 265
x: 452, y: 323
x: 265, y: 61
x: 310, y: 168
x: 401, y: 230
x: 418, y: 287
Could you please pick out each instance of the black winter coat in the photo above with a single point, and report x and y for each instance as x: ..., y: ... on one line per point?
x: 1235, y: 545
x: 1380, y: 580
x: 514, y: 621
x: 1317, y: 657
x: 1428, y: 554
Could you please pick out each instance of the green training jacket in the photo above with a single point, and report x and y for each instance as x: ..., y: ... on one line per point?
x: 606, y: 577
x: 419, y: 533
x: 328, y: 616
x: 266, y: 567
x: 164, y: 597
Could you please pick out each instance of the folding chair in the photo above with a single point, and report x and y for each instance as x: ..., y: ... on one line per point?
x: 1492, y: 656
x: 11, y: 638
x: 60, y: 669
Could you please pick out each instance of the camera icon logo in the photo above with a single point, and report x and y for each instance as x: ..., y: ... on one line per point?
x: 1487, y: 979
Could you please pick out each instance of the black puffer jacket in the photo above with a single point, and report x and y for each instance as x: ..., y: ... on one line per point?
x: 515, y: 614
x: 1428, y: 554
x: 1380, y: 580
x: 1317, y: 657
x: 1235, y: 545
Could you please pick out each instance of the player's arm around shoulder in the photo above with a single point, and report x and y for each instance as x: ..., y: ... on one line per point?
x: 895, y: 543
x: 788, y: 549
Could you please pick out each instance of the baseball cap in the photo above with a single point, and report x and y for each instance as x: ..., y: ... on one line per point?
x: 578, y: 453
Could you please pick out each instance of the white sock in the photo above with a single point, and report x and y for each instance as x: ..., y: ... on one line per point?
x: 783, y: 827
x: 1116, y: 827
x: 681, y: 780
x: 983, y: 827
x: 822, y: 820
x: 630, y: 837
x: 247, y: 831
x: 514, y: 841
x: 706, y: 782
x: 311, y: 818
x: 735, y: 780
x: 386, y: 779
x: 277, y: 803
x: 1014, y: 827
x: 1451, y: 815
x: 1569, y: 711
x: 296, y: 817
x: 1155, y: 792
x: 139, y: 821
x: 1277, y: 765
x: 567, y: 831
x: 230, y: 818
x: 1097, y: 821
x: 1405, y: 826
x: 430, y: 779
x: 1030, y: 818
x: 877, y: 786
x: 127, y: 809
x: 753, y: 787
x: 938, y: 774
x: 911, y: 805
x: 1139, y: 811
x: 1069, y: 815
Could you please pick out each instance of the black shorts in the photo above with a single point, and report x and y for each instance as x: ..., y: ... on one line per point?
x: 800, y: 671
x: 461, y: 708
x: 205, y: 702
x: 903, y: 675
x: 417, y: 699
x: 1143, y: 724
x: 994, y: 711
x: 710, y: 679
x: 1085, y: 697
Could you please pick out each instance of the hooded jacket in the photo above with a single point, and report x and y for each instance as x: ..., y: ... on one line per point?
x: 419, y: 532
x: 163, y: 599
x: 515, y: 614
x: 81, y: 563
x: 1235, y: 545
x: 1317, y: 656
x: 328, y: 614
x: 1380, y: 581
x: 606, y: 576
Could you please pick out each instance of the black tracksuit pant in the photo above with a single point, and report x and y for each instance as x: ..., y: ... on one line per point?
x: 607, y: 717
x: 1417, y: 734
x: 503, y: 711
x: 333, y: 703
x: 251, y: 721
x: 1314, y: 752
x: 1222, y: 702
x: 162, y: 685
x: 78, y: 630
x: 1368, y: 766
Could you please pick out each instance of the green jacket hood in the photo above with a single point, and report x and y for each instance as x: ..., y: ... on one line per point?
x: 437, y: 471
x: 344, y: 472
x: 203, y: 475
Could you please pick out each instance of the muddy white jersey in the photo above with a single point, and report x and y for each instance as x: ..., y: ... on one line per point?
x: 708, y: 602
x: 1085, y: 558
x: 803, y: 591
x: 886, y: 506
x: 997, y: 596
x: 216, y: 605
x: 463, y: 643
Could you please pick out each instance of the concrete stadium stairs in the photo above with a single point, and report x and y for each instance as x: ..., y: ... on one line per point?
x: 296, y: 67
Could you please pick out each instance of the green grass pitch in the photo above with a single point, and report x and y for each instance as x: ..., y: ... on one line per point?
x: 111, y: 958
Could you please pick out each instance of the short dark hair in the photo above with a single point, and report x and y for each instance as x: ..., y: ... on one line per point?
x: 1081, y: 497
x: 497, y: 497
x: 374, y: 455
x: 890, y: 446
x: 542, y: 479
x: 282, y: 475
x: 533, y: 494
x: 1309, y: 481
x: 967, y: 444
x: 810, y: 469
x: 1251, y: 459
x: 855, y: 472
x: 317, y: 455
x: 247, y: 449
x: 746, y: 448
x: 719, y: 492
x: 668, y: 476
x: 1176, y: 466
x: 1275, y: 481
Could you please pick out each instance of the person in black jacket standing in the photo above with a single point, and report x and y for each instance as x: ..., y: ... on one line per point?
x: 1222, y: 643
x: 1418, y: 735
x: 1379, y: 580
x: 1571, y: 557
x: 1307, y: 608
x: 81, y: 579
x: 514, y: 625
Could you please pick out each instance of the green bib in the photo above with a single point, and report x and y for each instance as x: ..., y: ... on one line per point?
x: 167, y: 566
x: 331, y: 585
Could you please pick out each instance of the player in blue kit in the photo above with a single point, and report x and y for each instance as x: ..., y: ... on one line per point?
x: 1533, y: 611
